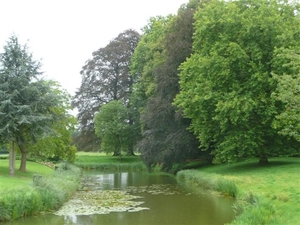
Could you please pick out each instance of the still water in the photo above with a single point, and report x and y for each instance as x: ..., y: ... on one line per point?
x: 153, y: 200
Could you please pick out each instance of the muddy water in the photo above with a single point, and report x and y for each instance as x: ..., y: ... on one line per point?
x: 137, y: 198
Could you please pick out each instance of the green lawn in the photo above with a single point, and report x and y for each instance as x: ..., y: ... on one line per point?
x: 95, y: 157
x: 278, y: 182
x: 21, y: 178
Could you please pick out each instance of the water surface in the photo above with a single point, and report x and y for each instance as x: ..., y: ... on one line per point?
x: 160, y: 201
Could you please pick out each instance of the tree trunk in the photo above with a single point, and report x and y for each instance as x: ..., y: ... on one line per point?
x: 12, y: 159
x: 23, y: 156
x: 130, y: 152
x: 116, y: 153
x: 263, y: 160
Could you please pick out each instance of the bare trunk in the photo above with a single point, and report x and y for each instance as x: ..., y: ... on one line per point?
x: 12, y: 159
x: 263, y: 159
x: 23, y: 157
x: 116, y: 153
x: 130, y: 152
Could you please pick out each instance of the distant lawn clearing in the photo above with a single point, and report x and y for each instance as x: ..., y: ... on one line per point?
x: 20, y: 179
x: 102, y: 161
x: 96, y: 157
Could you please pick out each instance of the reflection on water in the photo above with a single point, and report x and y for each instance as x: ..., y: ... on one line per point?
x: 165, y: 203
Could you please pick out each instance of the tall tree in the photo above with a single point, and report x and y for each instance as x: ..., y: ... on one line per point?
x: 105, y: 78
x: 227, y: 84
x: 27, y: 101
x: 165, y: 139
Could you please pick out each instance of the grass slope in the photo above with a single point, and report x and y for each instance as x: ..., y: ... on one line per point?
x: 273, y: 188
x: 21, y: 178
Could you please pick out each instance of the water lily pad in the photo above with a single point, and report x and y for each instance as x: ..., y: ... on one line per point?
x: 155, y: 189
x: 100, y: 202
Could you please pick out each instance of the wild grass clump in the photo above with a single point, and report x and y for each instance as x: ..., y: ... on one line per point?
x: 254, y: 210
x: 47, y: 193
x: 209, y: 182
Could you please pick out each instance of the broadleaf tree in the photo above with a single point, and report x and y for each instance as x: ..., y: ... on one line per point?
x: 111, y: 125
x: 105, y: 77
x: 227, y: 83
x: 58, y: 145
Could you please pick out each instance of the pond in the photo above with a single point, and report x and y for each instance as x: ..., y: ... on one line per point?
x: 137, y: 198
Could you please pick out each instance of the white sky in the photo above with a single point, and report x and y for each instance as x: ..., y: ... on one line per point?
x: 64, y: 33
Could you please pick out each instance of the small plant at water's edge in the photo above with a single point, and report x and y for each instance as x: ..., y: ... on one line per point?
x: 47, y: 193
x: 254, y: 210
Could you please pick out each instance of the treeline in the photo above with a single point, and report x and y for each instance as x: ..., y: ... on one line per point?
x: 218, y: 80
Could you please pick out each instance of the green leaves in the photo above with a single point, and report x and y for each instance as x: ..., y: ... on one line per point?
x: 105, y: 78
x: 288, y: 92
x: 111, y: 125
x: 226, y: 85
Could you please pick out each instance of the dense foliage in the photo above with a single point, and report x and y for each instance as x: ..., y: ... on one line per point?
x: 219, y: 79
x: 105, y: 78
x: 166, y: 140
x: 227, y: 85
x: 113, y: 129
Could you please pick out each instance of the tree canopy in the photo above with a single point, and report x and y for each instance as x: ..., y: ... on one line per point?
x: 111, y: 125
x: 219, y: 80
x: 227, y: 84
x: 163, y: 47
x: 105, y: 78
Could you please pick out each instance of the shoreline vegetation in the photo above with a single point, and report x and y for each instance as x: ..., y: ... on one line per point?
x: 265, y: 194
x: 36, y: 193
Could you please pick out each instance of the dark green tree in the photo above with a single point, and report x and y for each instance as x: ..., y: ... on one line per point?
x: 26, y: 100
x: 227, y: 84
x: 105, y: 78
x: 166, y: 139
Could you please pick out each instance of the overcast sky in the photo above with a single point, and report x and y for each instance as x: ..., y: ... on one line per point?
x: 64, y: 33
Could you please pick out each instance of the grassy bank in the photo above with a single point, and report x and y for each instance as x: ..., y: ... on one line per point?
x: 21, y: 179
x: 267, y: 194
x: 38, y: 190
x: 101, y: 161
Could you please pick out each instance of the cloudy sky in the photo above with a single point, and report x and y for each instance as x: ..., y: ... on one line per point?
x: 64, y: 33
